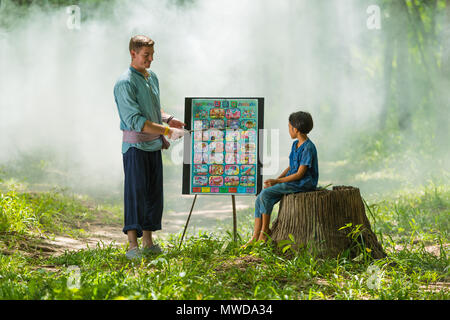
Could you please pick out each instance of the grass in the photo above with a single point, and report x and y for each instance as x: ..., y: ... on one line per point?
x: 211, y: 268
x: 54, y: 211
x: 210, y: 265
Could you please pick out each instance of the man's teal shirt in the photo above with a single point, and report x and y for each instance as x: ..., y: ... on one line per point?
x: 137, y: 100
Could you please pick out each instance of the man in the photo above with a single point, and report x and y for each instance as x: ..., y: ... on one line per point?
x: 136, y: 94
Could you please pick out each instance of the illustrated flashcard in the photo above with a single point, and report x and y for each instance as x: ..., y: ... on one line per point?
x: 216, y: 169
x: 249, y: 135
x: 248, y: 147
x: 231, y: 146
x: 200, y: 169
x: 216, y: 135
x: 231, y: 170
x: 216, y: 181
x: 231, y: 158
x: 201, y: 124
x: 200, y: 147
x: 201, y: 113
x: 233, y: 124
x: 223, y: 146
x: 217, y: 124
x: 248, y: 124
x: 198, y: 135
x: 247, y: 181
x: 200, y: 181
x: 233, y: 113
x: 216, y: 146
x: 232, y: 135
x: 216, y: 113
x: 205, y: 135
x: 231, y: 181
x: 247, y: 170
x: 248, y: 113
x: 246, y: 158
x: 200, y: 158
x: 215, y: 158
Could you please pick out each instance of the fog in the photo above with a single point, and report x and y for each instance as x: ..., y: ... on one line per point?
x: 56, y: 82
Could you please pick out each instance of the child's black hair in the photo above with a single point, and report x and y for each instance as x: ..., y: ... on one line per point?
x: 302, y: 121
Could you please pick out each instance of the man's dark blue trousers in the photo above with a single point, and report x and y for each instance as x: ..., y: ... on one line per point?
x: 143, y: 194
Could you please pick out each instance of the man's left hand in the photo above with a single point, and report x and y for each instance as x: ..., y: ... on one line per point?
x: 175, y: 123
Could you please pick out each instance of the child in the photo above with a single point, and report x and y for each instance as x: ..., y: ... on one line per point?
x: 301, y: 175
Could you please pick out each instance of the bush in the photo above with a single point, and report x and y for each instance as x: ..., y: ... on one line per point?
x: 16, y: 213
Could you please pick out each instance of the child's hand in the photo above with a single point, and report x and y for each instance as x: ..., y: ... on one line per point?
x: 270, y: 183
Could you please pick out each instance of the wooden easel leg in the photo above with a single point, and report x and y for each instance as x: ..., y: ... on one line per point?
x: 187, y: 222
x: 233, y: 201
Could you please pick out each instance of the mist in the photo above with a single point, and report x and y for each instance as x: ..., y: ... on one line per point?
x: 56, y: 83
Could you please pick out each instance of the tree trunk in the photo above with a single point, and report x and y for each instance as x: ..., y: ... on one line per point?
x: 316, y: 220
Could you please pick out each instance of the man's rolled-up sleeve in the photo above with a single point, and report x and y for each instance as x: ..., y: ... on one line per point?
x: 127, y: 105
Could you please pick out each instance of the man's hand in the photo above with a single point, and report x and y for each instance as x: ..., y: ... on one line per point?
x: 175, y: 133
x: 270, y: 183
x: 175, y: 123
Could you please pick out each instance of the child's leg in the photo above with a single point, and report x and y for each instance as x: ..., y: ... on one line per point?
x: 258, y: 222
x: 264, y: 227
x: 256, y: 229
x: 267, y: 199
x: 262, y: 219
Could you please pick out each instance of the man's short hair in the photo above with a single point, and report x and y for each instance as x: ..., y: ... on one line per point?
x: 139, y: 41
x: 302, y: 121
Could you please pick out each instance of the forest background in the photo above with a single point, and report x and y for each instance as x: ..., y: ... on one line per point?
x: 373, y: 74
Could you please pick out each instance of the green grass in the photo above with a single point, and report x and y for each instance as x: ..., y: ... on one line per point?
x: 37, y: 212
x: 210, y: 265
x: 413, y: 216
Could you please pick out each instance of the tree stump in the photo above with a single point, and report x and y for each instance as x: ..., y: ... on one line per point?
x: 327, y: 221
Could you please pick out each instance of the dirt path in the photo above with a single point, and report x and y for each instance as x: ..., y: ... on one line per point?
x: 206, y: 216
x: 96, y: 234
x: 99, y: 232
x: 42, y: 246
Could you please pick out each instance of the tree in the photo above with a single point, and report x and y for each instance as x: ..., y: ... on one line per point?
x: 327, y: 222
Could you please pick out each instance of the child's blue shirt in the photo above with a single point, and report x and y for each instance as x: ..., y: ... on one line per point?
x: 306, y: 154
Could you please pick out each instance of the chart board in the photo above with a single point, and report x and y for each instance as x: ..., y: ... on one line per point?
x: 221, y: 155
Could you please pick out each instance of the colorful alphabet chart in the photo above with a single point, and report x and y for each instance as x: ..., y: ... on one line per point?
x: 223, y: 146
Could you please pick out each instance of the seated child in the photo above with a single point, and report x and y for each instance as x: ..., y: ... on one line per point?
x: 301, y: 175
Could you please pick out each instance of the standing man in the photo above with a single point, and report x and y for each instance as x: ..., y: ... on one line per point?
x: 136, y: 93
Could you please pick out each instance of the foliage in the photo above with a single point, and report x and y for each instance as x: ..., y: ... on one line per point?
x: 408, y: 64
x: 16, y: 214
x: 211, y: 268
x: 51, y: 211
x: 210, y: 265
x: 414, y: 216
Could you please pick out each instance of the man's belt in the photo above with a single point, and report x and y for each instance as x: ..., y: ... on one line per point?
x: 137, y: 137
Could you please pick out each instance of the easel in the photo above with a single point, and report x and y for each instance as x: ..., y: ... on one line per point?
x: 233, y: 201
